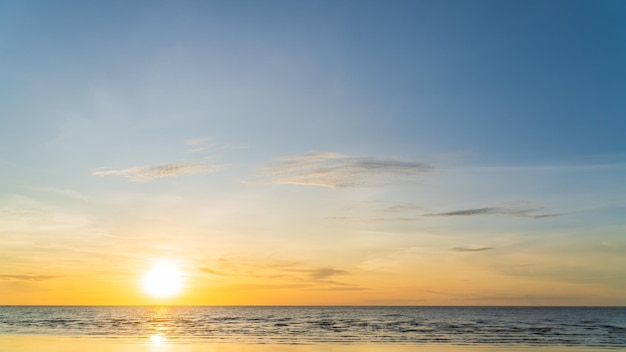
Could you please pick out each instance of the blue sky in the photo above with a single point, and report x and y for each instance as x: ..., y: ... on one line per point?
x: 507, y: 80
x: 361, y: 136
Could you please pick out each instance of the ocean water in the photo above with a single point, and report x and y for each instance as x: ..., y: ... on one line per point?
x: 511, y: 326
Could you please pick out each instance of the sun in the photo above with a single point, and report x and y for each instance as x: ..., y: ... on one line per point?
x: 164, y: 279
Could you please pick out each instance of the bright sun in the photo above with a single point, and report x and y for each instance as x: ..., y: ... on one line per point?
x: 163, y: 280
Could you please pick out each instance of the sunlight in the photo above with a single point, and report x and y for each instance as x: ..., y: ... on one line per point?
x: 157, y: 339
x: 163, y: 280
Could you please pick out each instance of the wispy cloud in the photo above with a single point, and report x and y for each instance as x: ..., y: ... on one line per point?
x: 256, y: 286
x: 519, y: 209
x: 197, y: 141
x: 575, y: 271
x: 372, y: 219
x: 395, y: 302
x: 201, y: 144
x: 148, y: 173
x: 471, y: 249
x: 344, y: 288
x: 20, y: 214
x: 403, y: 207
x: 63, y: 192
x: 377, y: 211
x: 495, y: 296
x: 338, y: 170
x: 325, y: 273
x: 211, y: 271
x: 27, y: 277
x: 271, y: 268
x: 521, y: 298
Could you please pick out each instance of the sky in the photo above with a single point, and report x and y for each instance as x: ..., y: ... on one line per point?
x: 314, y: 152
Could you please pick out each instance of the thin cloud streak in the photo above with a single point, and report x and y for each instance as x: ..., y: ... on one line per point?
x: 339, y: 171
x: 197, y: 141
x: 149, y: 173
x: 255, y: 268
x: 209, y: 144
x: 27, y: 277
x: 404, y: 207
x: 530, y: 298
x: 371, y: 219
x: 523, y: 210
x: 338, y: 289
x: 324, y: 273
x: 471, y: 249
x: 211, y: 271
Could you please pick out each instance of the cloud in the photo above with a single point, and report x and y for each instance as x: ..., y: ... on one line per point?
x: 201, y: 144
x: 403, y: 207
x: 518, y: 209
x: 325, y: 273
x: 471, y: 249
x: 271, y: 268
x: 395, y: 302
x: 252, y: 286
x: 197, y: 141
x: 526, y: 298
x: 350, y: 288
x: 27, y: 277
x: 371, y: 219
x: 373, y: 212
x: 338, y: 170
x: 501, y: 296
x: 67, y: 193
x: 580, y: 272
x: 148, y: 173
x: 20, y: 214
x: 211, y: 271
x: 389, y: 213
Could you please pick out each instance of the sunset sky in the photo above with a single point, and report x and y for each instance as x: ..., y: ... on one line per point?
x: 314, y: 152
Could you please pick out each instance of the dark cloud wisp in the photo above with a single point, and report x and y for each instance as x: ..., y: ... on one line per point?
x: 471, y: 249
x: 340, y: 171
x: 524, y: 211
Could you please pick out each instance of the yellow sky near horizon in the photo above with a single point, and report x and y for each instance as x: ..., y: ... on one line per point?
x: 415, y: 276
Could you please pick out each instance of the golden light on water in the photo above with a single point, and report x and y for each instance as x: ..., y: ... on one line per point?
x: 164, y: 279
x: 157, y: 339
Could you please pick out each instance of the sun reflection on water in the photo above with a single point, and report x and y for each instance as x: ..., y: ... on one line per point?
x: 157, y: 339
x: 159, y: 321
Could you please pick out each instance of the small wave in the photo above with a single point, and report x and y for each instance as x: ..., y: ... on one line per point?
x: 533, y: 326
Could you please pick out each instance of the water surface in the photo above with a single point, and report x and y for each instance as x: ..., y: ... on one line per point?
x: 467, y: 326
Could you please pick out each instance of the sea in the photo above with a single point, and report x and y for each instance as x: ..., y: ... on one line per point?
x: 505, y: 326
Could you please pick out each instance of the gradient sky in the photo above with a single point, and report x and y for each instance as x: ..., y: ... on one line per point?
x: 314, y: 152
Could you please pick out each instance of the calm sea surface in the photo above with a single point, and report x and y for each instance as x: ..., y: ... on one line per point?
x: 564, y: 326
